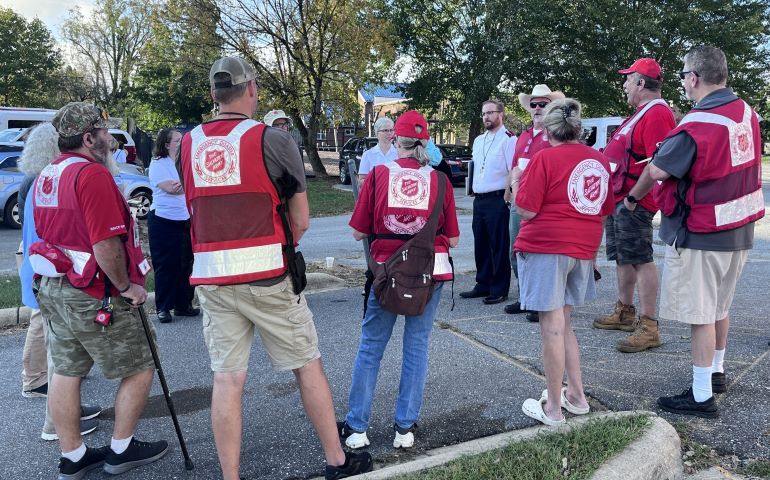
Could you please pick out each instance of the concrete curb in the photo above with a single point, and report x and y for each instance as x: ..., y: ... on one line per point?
x: 656, y: 455
x: 316, y: 283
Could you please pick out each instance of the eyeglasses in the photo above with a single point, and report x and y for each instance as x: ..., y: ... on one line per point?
x: 534, y: 105
x: 385, y: 130
x: 684, y: 73
x: 281, y: 124
x: 486, y: 114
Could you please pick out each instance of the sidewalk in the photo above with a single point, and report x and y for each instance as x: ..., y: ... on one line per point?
x: 484, y: 364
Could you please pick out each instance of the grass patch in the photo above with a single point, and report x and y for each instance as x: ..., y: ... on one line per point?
x: 10, y: 290
x: 695, y: 455
x: 326, y: 201
x: 573, y: 455
x: 758, y: 468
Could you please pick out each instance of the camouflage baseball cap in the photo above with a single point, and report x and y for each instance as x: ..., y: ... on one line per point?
x: 240, y: 71
x: 77, y: 118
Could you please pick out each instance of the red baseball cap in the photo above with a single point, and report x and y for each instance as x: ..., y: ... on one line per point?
x: 645, y: 66
x: 407, y: 123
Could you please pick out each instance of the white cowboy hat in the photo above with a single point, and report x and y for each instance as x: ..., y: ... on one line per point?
x: 539, y: 91
x: 274, y: 115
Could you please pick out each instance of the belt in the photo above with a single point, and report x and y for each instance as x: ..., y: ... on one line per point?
x: 496, y: 193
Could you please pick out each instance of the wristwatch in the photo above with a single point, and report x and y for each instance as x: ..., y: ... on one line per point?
x: 631, y: 199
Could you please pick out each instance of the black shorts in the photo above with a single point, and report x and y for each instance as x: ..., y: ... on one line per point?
x: 629, y: 235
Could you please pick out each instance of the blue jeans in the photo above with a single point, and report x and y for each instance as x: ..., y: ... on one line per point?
x: 376, y: 329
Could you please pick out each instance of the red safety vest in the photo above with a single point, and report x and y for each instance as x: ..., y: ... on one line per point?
x: 527, y: 146
x: 725, y: 189
x: 237, y: 233
x: 619, y: 151
x: 410, y: 200
x: 61, y: 226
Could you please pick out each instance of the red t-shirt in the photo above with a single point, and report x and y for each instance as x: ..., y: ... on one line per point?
x: 568, y: 188
x: 650, y: 130
x: 369, y: 215
x: 103, y: 208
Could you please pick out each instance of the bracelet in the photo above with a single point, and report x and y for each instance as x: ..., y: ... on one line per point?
x: 125, y: 289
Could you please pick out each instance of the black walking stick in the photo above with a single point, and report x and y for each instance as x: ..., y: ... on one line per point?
x: 188, y: 464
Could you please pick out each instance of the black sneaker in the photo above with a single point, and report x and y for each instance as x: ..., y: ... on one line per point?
x: 718, y: 382
x: 355, y: 463
x: 88, y: 412
x: 137, y: 454
x: 533, y: 317
x: 685, y: 404
x: 39, y: 392
x: 93, y: 459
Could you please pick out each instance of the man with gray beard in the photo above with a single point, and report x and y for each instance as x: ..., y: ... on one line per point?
x: 92, y: 278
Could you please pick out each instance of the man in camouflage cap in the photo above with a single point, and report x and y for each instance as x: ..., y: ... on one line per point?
x: 92, y: 277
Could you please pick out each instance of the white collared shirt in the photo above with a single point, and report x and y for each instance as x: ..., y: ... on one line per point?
x: 374, y: 156
x: 492, y: 156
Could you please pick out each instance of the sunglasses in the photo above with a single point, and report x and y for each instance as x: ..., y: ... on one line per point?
x: 684, y: 73
x: 534, y: 105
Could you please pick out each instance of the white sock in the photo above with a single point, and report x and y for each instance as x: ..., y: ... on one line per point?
x: 120, y: 446
x: 76, y: 454
x: 701, y: 383
x: 718, y: 364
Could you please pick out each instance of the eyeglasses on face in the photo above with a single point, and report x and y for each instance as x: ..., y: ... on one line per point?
x: 385, y: 130
x: 281, y: 124
x: 534, y: 105
x: 486, y: 114
x: 684, y: 73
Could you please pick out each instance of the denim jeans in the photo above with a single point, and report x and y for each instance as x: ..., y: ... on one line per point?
x: 376, y: 329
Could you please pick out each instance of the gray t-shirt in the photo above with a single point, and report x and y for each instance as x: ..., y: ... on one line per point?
x: 676, y: 156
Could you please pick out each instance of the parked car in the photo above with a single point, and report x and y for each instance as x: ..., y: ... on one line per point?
x: 457, y: 157
x: 598, y: 131
x: 124, y: 138
x: 12, y: 137
x: 353, y: 148
x: 135, y: 188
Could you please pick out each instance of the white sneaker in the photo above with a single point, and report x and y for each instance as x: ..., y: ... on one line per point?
x: 403, y: 441
x: 357, y: 440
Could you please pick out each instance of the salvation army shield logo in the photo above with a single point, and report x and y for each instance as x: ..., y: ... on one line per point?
x: 215, y: 161
x: 592, y: 187
x: 47, y: 190
x: 741, y: 144
x: 588, y: 187
x: 408, y: 188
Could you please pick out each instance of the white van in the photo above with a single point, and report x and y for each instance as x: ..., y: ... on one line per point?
x: 598, y: 131
x: 13, y: 117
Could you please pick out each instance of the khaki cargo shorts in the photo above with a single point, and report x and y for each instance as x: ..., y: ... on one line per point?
x: 231, y: 314
x: 76, y: 342
x: 698, y: 286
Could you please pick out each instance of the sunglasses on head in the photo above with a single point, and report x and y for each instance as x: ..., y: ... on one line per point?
x: 534, y: 105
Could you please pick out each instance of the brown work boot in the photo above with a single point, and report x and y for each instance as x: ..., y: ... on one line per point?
x: 645, y: 336
x: 622, y: 318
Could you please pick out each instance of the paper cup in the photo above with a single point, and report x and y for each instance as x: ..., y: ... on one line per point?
x: 329, y: 262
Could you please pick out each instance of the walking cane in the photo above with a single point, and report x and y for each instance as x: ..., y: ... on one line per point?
x: 188, y: 464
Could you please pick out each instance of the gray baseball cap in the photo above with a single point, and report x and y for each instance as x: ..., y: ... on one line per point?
x: 240, y: 71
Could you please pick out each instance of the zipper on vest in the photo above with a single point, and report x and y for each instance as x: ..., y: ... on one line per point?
x: 394, y: 282
x: 404, y: 254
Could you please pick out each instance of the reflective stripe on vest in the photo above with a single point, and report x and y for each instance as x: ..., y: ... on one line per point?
x: 237, y: 261
x: 626, y: 131
x: 79, y: 259
x: 737, y: 132
x: 739, y: 209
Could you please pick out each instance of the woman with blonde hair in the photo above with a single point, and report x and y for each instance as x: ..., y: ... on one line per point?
x: 562, y: 197
x: 395, y: 203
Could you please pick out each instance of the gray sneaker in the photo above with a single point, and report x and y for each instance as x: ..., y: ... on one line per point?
x: 137, y: 454
x: 86, y: 427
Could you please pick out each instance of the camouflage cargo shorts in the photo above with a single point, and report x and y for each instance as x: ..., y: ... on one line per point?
x: 76, y: 342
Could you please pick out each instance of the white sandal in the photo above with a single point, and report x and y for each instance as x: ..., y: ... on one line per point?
x: 534, y: 409
x: 566, y: 404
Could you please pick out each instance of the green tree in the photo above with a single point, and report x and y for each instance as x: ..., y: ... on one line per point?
x: 171, y: 84
x: 28, y: 59
x: 109, y: 42
x: 307, y: 52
